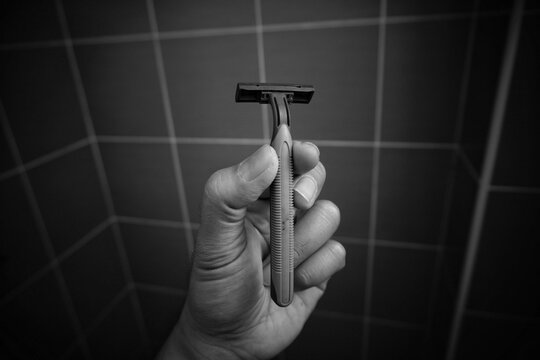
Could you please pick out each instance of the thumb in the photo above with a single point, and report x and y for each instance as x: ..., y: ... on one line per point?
x: 227, y: 194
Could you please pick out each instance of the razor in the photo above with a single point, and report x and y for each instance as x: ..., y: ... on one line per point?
x: 279, y: 96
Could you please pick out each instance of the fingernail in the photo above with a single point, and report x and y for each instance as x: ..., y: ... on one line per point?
x: 255, y: 165
x: 307, y: 188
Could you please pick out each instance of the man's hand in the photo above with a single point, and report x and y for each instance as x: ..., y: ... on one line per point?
x: 229, y: 313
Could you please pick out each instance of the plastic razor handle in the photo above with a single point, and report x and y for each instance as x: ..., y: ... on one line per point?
x: 279, y: 96
x: 282, y: 221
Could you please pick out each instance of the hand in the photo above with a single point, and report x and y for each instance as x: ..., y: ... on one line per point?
x: 229, y: 313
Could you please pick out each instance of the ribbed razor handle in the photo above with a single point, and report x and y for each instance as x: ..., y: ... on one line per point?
x: 282, y: 221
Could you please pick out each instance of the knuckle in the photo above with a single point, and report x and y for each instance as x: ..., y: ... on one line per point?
x: 329, y: 211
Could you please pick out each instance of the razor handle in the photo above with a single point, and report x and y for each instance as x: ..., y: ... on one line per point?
x: 279, y: 96
x: 282, y: 221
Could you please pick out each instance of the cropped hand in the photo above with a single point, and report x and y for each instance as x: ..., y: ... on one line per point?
x: 229, y: 313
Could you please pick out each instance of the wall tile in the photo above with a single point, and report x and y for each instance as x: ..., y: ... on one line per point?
x: 342, y: 65
x: 118, y: 335
x: 425, y: 7
x: 482, y: 85
x: 6, y: 159
x: 402, y: 280
x: 518, y: 156
x: 40, y: 100
x: 386, y: 342
x: 461, y: 206
x: 348, y: 185
x: 412, y: 192
x: 202, y: 74
x: 69, y: 213
x: 423, y: 71
x: 161, y: 312
x: 157, y: 255
x: 22, y: 252
x: 507, y: 268
x: 100, y: 18
x: 483, y: 338
x: 122, y: 88
x: 142, y: 181
x: 23, y: 21
x: 94, y: 276
x: 326, y: 338
x: 199, y: 162
x: 192, y: 14
x: 39, y: 333
x: 282, y: 11
x: 350, y: 281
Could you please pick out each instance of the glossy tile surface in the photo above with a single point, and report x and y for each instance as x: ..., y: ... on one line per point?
x: 423, y: 71
x: 69, y: 213
x: 22, y: 250
x: 506, y: 267
x: 94, y: 276
x: 202, y: 74
x: 157, y: 255
x: 40, y: 101
x: 341, y: 64
x: 142, y: 182
x: 99, y: 18
x: 518, y: 155
x: 192, y: 14
x: 412, y: 194
x: 402, y: 280
x: 51, y: 331
x: 122, y: 88
x: 282, y: 11
x: 348, y: 185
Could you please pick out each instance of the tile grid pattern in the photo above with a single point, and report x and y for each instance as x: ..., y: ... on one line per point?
x: 455, y: 159
x: 98, y: 160
x: 38, y: 218
x: 376, y: 144
x: 375, y: 175
x: 486, y: 176
x: 170, y: 123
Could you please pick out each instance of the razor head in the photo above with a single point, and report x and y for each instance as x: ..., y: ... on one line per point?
x: 260, y: 92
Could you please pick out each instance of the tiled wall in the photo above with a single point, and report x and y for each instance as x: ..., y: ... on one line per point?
x: 115, y: 113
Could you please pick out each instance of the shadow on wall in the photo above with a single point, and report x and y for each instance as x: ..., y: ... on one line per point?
x: 114, y: 114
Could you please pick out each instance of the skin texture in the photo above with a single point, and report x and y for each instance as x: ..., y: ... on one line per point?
x: 229, y: 313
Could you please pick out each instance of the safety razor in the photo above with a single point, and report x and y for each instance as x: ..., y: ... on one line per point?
x: 279, y: 96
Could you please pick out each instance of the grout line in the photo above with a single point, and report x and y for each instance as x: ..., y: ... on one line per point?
x: 195, y: 33
x: 370, y: 263
x: 57, y: 153
x: 133, y: 139
x: 91, y: 235
x: 156, y: 222
x: 468, y: 165
x: 220, y: 141
x: 515, y: 189
x: 100, y: 168
x: 107, y: 310
x: 502, y: 317
x: 56, y: 261
x: 497, y: 121
x: 44, y: 234
x: 450, y: 188
x: 241, y: 30
x: 408, y: 245
x: 112, y: 39
x: 116, y: 139
x: 160, y: 289
x: 394, y: 323
x: 160, y: 67
x: 262, y: 64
